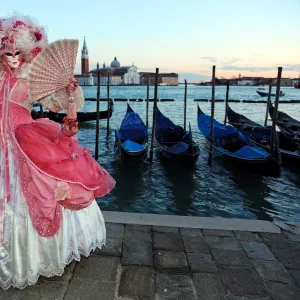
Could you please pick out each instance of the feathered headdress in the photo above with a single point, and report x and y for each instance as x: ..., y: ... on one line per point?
x: 22, y: 33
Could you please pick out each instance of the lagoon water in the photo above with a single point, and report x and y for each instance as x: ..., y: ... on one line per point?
x: 214, y: 191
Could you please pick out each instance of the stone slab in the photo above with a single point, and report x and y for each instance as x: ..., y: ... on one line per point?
x: 174, y: 287
x: 170, y: 261
x: 226, y: 243
x: 296, y: 276
x: 201, y: 263
x: 193, y: 232
x: 281, y: 291
x: 242, y: 281
x: 289, y: 259
x: 136, y: 253
x: 137, y: 283
x: 209, y: 287
x: 293, y: 227
x: 279, y: 241
x: 137, y: 233
x: 44, y: 290
x: 258, y: 251
x: 229, y: 257
x: 249, y: 298
x: 113, y: 248
x: 168, y: 241
x: 90, y: 289
x: 291, y: 236
x: 97, y: 267
x: 11, y: 294
x: 114, y: 231
x: 195, y: 244
x: 272, y: 270
x: 165, y: 229
x: 247, y: 236
x: 215, y: 232
x: 190, y: 222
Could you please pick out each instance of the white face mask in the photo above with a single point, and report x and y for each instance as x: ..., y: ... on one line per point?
x: 13, y: 59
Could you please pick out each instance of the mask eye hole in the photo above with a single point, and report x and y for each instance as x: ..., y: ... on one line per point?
x: 17, y: 53
x: 8, y: 54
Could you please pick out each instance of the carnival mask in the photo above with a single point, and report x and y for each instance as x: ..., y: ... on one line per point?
x: 13, y: 59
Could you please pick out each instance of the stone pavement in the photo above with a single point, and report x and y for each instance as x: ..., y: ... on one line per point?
x: 168, y: 263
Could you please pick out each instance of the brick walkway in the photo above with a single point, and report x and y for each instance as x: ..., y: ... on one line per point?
x: 167, y: 263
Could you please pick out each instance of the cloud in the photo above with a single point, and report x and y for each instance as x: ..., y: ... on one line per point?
x: 245, y: 68
x: 209, y: 58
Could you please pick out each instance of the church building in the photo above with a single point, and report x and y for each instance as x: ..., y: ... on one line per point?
x: 85, y: 78
x: 115, y: 73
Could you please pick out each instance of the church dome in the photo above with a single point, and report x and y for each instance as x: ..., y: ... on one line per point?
x: 115, y: 63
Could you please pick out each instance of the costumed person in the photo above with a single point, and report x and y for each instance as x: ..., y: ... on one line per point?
x: 48, y: 182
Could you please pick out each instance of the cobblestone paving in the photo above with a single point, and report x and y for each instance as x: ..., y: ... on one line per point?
x: 161, y: 263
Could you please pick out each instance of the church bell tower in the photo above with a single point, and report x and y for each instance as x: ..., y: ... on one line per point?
x: 84, y: 59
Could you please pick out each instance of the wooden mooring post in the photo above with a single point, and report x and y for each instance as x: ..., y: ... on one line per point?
x: 108, y: 106
x: 268, y: 104
x: 185, y: 93
x: 226, y: 104
x: 98, y: 114
x: 147, y: 101
x: 274, y: 140
x: 154, y: 114
x: 212, y: 115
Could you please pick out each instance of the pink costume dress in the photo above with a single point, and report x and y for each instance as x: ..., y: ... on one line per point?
x: 50, y: 216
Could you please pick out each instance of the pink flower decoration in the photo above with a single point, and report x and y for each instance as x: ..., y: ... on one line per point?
x: 11, y: 40
x: 38, y: 35
x: 36, y: 51
x: 5, y: 38
x: 18, y: 23
x: 62, y: 191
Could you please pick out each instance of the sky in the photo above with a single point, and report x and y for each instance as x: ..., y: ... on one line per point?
x: 251, y: 38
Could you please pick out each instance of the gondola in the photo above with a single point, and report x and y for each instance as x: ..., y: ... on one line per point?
x: 262, y: 136
x: 81, y: 116
x: 289, y: 129
x: 232, y: 145
x: 265, y: 94
x: 175, y: 144
x: 131, y: 140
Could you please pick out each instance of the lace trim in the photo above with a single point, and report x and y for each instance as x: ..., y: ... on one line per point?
x: 49, y: 270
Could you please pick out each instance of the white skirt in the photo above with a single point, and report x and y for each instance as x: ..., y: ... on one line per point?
x: 31, y: 255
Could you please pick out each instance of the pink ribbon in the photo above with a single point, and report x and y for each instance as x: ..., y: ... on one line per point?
x: 4, y: 132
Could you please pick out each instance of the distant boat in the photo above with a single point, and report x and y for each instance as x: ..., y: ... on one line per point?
x: 132, y: 138
x: 261, y: 89
x: 264, y: 94
x: 297, y: 85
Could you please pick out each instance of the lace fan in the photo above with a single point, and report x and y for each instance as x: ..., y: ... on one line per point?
x: 51, y: 70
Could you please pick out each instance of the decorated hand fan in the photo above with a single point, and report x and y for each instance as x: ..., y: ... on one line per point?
x: 51, y: 71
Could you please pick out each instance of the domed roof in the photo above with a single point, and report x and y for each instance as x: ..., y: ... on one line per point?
x: 115, y: 63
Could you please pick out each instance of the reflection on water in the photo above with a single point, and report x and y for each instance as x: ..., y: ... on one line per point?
x: 216, y: 191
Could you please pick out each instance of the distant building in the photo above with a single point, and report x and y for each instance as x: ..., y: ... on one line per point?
x: 246, y: 82
x: 283, y: 81
x: 125, y: 75
x: 163, y: 78
x: 295, y: 80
